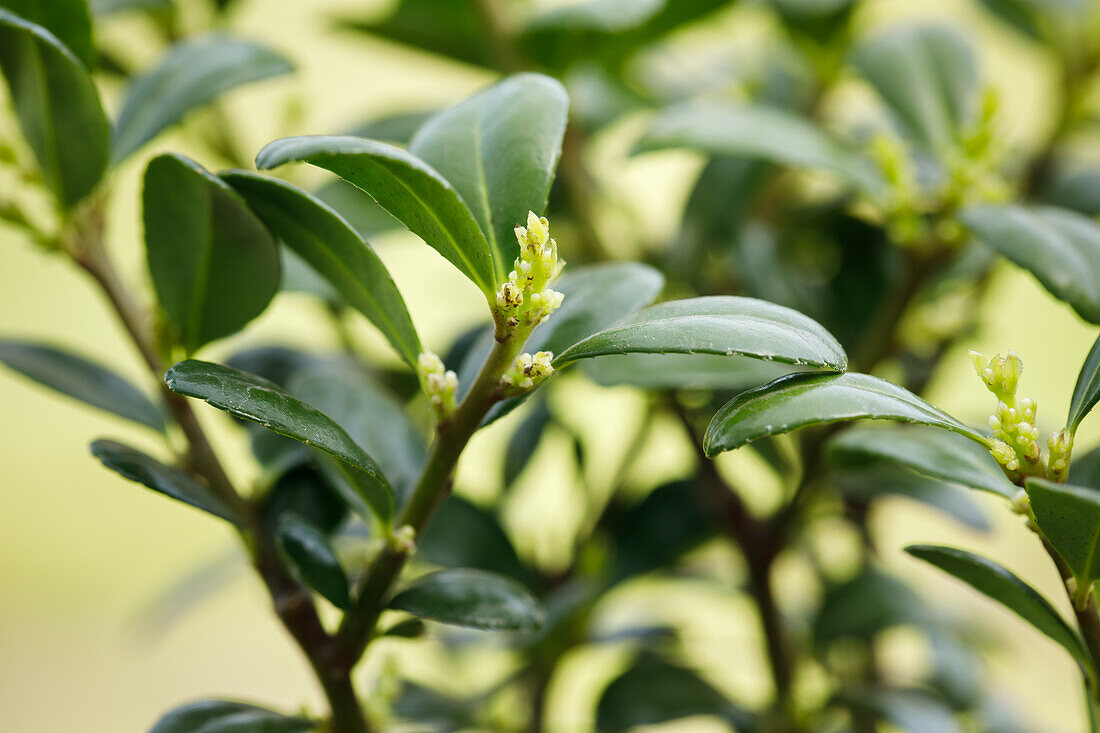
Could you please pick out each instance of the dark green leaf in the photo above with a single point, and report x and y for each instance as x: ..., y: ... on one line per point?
x: 445, y: 713
x: 214, y: 264
x: 299, y: 277
x: 684, y: 371
x: 461, y: 534
x: 865, y: 483
x: 499, y: 149
x: 1086, y: 392
x: 654, y: 691
x: 607, y: 32
x: 302, y: 490
x: 172, y: 482
x: 756, y: 132
x: 1002, y: 586
x: 58, y: 108
x: 224, y: 716
x: 1060, y: 248
x: 452, y: 28
x: 81, y: 379
x: 1039, y: 19
x: 105, y: 7
x: 928, y: 75
x: 798, y: 400
x: 257, y: 400
x: 1084, y: 470
x: 671, y: 520
x: 313, y: 558
x: 1069, y: 517
x: 468, y: 597
x: 1076, y: 189
x: 332, y: 248
x: 864, y: 606
x: 192, y: 73
x: 931, y: 452
x: 371, y: 416
x: 716, y: 325
x: 359, y: 210
x: 407, y: 187
x: 68, y: 20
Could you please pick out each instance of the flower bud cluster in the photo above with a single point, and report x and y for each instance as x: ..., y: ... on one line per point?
x: 525, y: 298
x: 527, y: 372
x: 439, y: 383
x: 1016, y: 437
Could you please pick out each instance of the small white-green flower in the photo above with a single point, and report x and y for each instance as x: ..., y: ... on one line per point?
x: 527, y: 372
x: 439, y: 384
x: 525, y: 298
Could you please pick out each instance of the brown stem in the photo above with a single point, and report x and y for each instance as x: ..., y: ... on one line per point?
x: 292, y: 601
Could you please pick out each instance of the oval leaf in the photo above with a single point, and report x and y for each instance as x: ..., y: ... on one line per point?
x: 756, y: 132
x: 798, y: 400
x: 58, y: 108
x: 373, y: 417
x: 214, y: 264
x: 68, y: 20
x: 865, y: 483
x: 1004, y: 587
x: 932, y: 452
x: 1059, y: 247
x: 683, y: 371
x: 499, y: 149
x: 81, y: 379
x: 313, y: 558
x: 334, y: 250
x: 928, y: 75
x: 728, y: 325
x: 136, y: 466
x: 225, y: 716
x: 1086, y: 392
x: 468, y: 597
x: 407, y: 187
x: 191, y: 74
x: 1069, y: 516
x: 257, y: 400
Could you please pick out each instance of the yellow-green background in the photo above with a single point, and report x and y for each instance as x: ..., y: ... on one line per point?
x: 82, y: 553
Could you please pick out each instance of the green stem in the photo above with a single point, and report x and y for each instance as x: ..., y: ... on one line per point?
x: 431, y: 489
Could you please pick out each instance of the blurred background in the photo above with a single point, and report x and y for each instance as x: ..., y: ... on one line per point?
x: 88, y: 639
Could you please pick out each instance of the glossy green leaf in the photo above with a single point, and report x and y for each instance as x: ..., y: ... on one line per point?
x: 58, y: 108
x: 606, y: 32
x: 451, y: 28
x: 224, y: 716
x: 463, y: 535
x: 716, y: 325
x: 68, y: 20
x: 757, y: 132
x: 172, y: 482
x: 654, y: 691
x: 1069, y: 517
x: 409, y: 628
x: 301, y: 489
x: 359, y: 210
x: 474, y: 598
x: 931, y: 452
x: 499, y: 150
x: 1060, y: 248
x: 214, y: 264
x: 190, y: 75
x: 254, y: 399
x: 81, y: 379
x: 373, y: 417
x: 1002, y: 586
x: 1084, y: 470
x: 927, y: 75
x: 1086, y: 392
x: 106, y: 7
x: 684, y: 371
x: 864, y: 483
x: 332, y: 248
x: 407, y: 187
x: 314, y: 560
x: 798, y: 400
